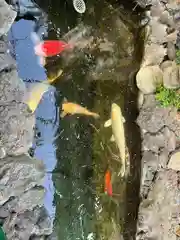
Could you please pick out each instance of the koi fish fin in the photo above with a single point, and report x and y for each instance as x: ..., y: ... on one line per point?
x: 110, y: 190
x: 63, y: 114
x: 108, y: 123
x: 123, y: 120
x: 35, y: 94
x: 96, y: 115
x: 51, y: 79
x: 122, y: 171
x: 112, y: 139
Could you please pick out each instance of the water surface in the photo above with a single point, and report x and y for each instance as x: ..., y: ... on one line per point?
x: 77, y: 149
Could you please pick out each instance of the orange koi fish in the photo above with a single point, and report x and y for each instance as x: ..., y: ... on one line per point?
x: 107, y: 183
x: 74, y: 108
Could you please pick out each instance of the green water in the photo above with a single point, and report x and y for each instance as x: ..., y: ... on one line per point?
x: 83, y: 210
x: 2, y: 234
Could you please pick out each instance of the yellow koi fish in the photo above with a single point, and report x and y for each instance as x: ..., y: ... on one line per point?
x: 116, y: 121
x: 36, y: 92
x: 74, y: 108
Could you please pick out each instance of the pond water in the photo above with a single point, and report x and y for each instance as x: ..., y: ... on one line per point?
x: 77, y: 149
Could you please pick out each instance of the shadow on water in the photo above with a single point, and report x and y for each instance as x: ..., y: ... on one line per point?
x: 133, y: 181
x: 101, y: 73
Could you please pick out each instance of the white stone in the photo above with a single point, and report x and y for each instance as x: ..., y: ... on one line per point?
x: 148, y: 78
x: 174, y: 162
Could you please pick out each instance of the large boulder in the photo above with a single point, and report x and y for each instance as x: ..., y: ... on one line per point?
x: 148, y: 78
x: 7, y: 16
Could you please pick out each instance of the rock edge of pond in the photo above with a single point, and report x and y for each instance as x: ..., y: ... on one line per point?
x: 22, y: 213
x: 159, y: 212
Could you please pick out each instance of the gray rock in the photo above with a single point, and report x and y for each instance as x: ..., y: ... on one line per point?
x: 140, y: 100
x: 171, y: 76
x: 22, y: 226
x: 172, y: 6
x: 4, y: 49
x: 165, y: 139
x: 166, y: 64
x: 153, y: 54
x: 12, y: 88
x: 172, y: 37
x: 16, y: 128
x: 53, y: 236
x: 153, y: 142
x: 26, y: 201
x: 7, y: 16
x: 145, y: 3
x: 166, y: 18
x: 38, y: 238
x: 149, y: 167
x: 156, y: 9
x: 24, y: 8
x: 2, y: 152
x: 171, y: 51
x: 163, y: 158
x: 149, y: 101
x: 21, y: 177
x: 20, y: 174
x: 173, y: 123
x: 17, y: 122
x: 44, y: 224
x: 159, y: 213
x: 158, y: 32
x: 7, y: 62
x: 153, y: 119
x: 169, y: 139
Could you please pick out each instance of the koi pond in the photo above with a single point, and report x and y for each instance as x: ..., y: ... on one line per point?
x: 77, y: 149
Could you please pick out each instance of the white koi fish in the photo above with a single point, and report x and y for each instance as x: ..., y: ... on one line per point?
x: 116, y: 121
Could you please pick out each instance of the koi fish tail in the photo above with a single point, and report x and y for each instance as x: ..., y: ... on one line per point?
x: 95, y: 115
x: 123, y: 170
x: 52, y: 79
x: 39, y: 50
x: 109, y: 190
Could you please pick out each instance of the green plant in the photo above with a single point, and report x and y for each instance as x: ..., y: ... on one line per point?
x: 168, y: 97
x: 177, y: 57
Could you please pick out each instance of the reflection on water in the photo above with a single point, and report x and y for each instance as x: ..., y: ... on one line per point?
x: 98, y: 72
x: 29, y: 70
